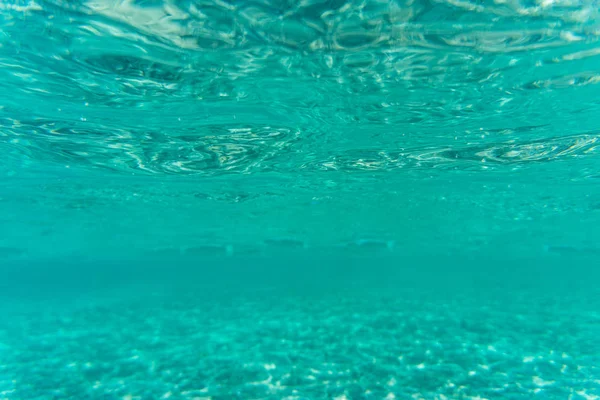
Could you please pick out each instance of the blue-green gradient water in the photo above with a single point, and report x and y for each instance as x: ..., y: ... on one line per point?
x: 312, y: 199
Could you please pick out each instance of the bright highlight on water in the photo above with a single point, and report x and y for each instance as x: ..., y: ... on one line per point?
x: 315, y: 199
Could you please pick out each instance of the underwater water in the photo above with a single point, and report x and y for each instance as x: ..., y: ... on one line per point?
x: 312, y: 199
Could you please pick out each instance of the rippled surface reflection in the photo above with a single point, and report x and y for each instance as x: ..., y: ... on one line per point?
x: 305, y: 118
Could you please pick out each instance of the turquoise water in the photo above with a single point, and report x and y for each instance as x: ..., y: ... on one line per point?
x: 315, y: 199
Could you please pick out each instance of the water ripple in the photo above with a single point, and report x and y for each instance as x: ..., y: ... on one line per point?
x: 208, y: 149
x: 210, y: 87
x: 462, y: 157
x: 246, y: 149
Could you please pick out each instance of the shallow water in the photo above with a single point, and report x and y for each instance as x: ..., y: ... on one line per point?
x: 313, y: 199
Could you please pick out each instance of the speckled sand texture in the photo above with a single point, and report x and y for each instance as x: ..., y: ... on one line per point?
x: 368, y: 344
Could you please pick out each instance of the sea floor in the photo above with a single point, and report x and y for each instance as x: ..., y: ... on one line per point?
x: 353, y: 340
